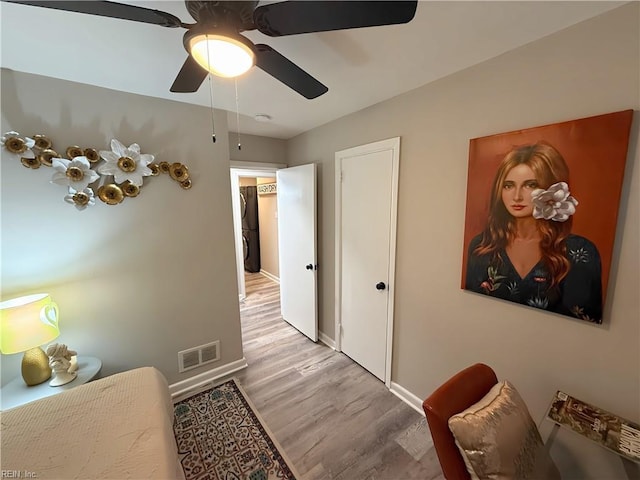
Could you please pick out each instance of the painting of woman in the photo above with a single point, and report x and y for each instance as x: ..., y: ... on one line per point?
x: 541, y: 214
x: 526, y: 253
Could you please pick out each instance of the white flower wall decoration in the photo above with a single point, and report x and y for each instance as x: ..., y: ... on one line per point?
x: 81, y: 200
x: 76, y: 173
x: 82, y: 173
x: 17, y: 145
x: 125, y: 163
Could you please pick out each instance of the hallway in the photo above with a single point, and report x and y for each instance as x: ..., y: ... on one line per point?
x: 333, y: 419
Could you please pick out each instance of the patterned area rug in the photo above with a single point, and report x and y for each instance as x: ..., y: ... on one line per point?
x: 221, y: 437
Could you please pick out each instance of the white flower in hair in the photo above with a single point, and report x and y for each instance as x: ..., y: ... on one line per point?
x: 555, y: 203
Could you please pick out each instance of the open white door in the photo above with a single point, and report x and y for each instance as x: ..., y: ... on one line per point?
x: 297, y: 247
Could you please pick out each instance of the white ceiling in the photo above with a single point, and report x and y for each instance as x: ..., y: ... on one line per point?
x: 361, y: 67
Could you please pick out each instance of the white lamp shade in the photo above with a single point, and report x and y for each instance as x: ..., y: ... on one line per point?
x: 221, y: 55
x: 27, y: 322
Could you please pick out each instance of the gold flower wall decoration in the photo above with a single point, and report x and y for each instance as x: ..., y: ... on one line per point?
x: 114, y: 174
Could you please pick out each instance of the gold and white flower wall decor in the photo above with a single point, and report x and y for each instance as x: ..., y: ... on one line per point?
x: 112, y: 175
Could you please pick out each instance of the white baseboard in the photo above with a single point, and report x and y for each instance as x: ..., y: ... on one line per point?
x: 195, y: 383
x: 270, y: 276
x: 407, y: 397
x: 326, y: 340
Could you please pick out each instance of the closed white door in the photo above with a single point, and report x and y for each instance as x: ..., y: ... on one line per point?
x: 366, y: 178
x: 297, y: 247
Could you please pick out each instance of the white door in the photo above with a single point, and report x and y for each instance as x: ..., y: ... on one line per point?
x: 366, y: 200
x: 297, y: 247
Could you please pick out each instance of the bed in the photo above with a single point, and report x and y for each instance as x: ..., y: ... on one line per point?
x: 118, y: 427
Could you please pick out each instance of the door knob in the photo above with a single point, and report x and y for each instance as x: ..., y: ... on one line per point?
x: 309, y: 267
x: 380, y: 286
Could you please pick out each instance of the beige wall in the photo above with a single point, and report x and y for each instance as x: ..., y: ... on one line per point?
x: 136, y: 282
x: 247, y: 182
x: 256, y: 148
x: 268, y: 219
x: 589, y: 69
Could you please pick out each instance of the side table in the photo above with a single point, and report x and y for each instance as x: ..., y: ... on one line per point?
x: 605, y: 429
x: 16, y: 392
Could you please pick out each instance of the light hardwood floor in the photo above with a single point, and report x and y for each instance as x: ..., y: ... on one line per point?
x: 333, y: 419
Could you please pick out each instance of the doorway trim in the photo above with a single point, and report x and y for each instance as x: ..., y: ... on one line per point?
x: 237, y: 170
x: 392, y: 144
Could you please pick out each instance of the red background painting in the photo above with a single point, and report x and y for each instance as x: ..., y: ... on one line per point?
x: 595, y: 150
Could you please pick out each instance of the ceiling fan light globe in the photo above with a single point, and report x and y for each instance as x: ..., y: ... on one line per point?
x: 223, y: 56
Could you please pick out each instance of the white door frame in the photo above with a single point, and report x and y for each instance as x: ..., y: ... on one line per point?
x: 237, y: 170
x: 383, y: 145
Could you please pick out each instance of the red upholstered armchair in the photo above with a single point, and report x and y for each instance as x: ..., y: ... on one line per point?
x: 455, y: 395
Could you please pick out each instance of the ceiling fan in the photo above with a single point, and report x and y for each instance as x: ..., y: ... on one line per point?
x: 216, y: 34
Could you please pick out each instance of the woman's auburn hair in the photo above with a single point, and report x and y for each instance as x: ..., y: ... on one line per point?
x: 549, y: 167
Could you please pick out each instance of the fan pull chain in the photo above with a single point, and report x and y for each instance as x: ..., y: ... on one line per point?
x: 213, y: 123
x: 237, y: 114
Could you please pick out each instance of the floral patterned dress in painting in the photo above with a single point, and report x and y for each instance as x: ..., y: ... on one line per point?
x: 579, y: 294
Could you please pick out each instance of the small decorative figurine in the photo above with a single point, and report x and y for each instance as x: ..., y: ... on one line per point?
x: 61, y: 364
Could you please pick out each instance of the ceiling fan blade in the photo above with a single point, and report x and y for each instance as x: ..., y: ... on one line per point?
x: 189, y: 78
x: 109, y: 9
x: 291, y: 18
x: 288, y: 72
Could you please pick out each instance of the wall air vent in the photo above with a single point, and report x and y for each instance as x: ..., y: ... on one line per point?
x: 209, y: 353
x: 198, y: 356
x: 190, y: 359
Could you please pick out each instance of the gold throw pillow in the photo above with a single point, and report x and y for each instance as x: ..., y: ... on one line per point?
x: 499, y: 440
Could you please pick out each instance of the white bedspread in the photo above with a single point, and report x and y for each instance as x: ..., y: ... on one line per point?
x: 118, y: 427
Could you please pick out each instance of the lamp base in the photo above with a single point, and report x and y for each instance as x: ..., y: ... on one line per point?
x: 62, y: 379
x: 35, y: 367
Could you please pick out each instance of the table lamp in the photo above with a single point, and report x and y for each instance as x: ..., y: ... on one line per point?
x: 25, y: 324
